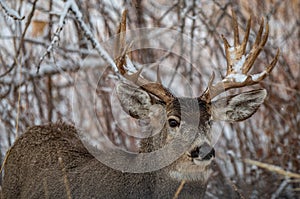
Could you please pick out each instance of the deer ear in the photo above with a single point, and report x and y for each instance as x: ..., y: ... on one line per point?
x: 238, y: 107
x: 134, y: 101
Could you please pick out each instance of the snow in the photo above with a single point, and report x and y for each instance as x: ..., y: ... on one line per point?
x: 238, y: 66
x: 237, y: 74
x: 230, y: 153
x: 236, y: 77
x: 255, y: 77
x: 231, y: 50
x: 129, y: 65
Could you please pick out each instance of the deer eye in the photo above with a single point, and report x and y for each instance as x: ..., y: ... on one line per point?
x: 173, y: 122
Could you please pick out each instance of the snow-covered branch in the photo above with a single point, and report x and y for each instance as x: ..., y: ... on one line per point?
x: 87, y: 32
x: 56, y: 37
x: 71, y: 5
x: 10, y: 12
x: 47, y: 70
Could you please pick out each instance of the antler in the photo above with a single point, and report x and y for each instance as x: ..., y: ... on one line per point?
x: 239, y: 63
x: 155, y: 88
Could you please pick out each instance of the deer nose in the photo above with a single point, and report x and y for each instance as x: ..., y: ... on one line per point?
x: 205, y: 152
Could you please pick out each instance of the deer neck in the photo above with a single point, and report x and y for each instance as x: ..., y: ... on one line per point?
x: 154, y: 142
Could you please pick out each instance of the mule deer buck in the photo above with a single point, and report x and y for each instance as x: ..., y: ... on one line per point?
x: 50, y: 161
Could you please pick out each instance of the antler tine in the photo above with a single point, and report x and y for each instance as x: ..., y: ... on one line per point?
x: 259, y: 34
x: 257, y: 47
x: 209, y: 90
x: 246, y: 37
x: 227, y: 53
x: 239, y: 63
x: 120, y: 44
x: 135, y: 77
x: 155, y: 88
x: 268, y: 69
x: 120, y: 39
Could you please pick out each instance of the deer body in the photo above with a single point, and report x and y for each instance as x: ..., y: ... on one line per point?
x: 51, y: 162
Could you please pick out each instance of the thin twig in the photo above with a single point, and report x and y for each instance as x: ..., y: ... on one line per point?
x: 190, y: 72
x: 272, y: 168
x: 179, y: 189
x: 28, y: 22
x: 280, y: 189
x: 5, y: 159
x: 18, y: 105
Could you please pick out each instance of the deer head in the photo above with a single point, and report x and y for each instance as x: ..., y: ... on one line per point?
x: 191, y: 118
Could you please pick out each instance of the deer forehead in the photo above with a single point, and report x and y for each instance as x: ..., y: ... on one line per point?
x: 188, y: 109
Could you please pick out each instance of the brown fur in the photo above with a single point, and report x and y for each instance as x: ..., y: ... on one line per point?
x: 33, y: 170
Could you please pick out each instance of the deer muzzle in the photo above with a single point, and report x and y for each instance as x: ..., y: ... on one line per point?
x: 203, y: 152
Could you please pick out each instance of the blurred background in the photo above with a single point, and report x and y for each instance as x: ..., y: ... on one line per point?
x: 45, y: 51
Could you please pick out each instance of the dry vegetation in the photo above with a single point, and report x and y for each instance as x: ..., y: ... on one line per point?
x: 40, y: 58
